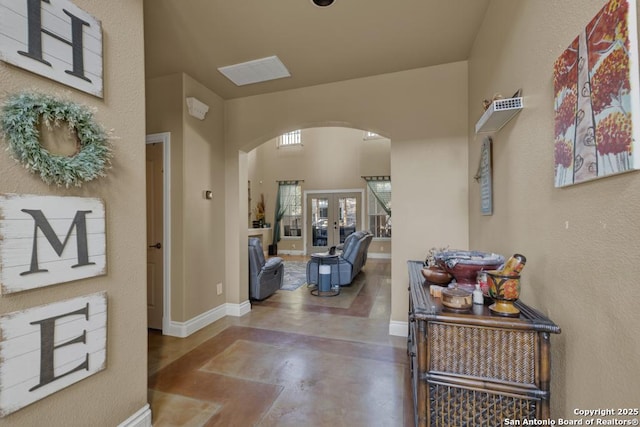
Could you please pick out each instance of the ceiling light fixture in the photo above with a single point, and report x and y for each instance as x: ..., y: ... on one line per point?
x: 322, y: 3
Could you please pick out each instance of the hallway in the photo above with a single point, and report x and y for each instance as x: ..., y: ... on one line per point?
x: 296, y: 359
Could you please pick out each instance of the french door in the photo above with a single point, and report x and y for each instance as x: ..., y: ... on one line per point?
x: 331, y: 217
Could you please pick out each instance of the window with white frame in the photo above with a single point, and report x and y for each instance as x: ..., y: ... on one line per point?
x: 291, y: 201
x: 379, y: 207
x: 290, y: 139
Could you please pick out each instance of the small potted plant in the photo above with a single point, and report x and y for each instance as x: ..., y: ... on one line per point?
x: 259, y: 211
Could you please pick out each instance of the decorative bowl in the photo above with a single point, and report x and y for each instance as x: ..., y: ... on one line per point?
x: 436, y: 275
x: 457, y: 299
x: 464, y: 265
x: 504, y: 289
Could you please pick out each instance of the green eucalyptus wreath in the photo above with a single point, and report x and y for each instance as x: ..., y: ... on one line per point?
x: 20, y: 115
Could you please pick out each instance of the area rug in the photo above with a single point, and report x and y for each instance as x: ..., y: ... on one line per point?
x: 295, y: 275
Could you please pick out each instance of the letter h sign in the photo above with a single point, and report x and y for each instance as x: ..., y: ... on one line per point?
x: 53, y: 38
x: 45, y: 240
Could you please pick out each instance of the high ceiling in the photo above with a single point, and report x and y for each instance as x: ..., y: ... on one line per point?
x: 349, y: 39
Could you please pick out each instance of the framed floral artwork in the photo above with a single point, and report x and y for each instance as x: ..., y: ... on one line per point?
x: 596, y: 98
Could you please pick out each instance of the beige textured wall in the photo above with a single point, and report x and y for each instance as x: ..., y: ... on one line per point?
x: 330, y: 158
x: 581, y: 242
x: 204, y: 250
x: 197, y: 164
x: 235, y: 237
x: 100, y: 399
x: 422, y: 111
x: 164, y: 114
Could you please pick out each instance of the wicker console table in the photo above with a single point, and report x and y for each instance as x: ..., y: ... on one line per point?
x: 476, y: 369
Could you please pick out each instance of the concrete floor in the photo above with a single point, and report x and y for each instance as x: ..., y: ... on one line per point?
x: 295, y: 360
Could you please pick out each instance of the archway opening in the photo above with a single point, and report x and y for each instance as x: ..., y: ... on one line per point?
x: 320, y: 160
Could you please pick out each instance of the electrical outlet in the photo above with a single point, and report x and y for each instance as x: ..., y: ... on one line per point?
x: 219, y: 288
x: 293, y: 245
x: 381, y: 248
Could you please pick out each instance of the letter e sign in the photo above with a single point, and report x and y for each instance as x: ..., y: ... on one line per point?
x: 46, y: 240
x: 53, y: 38
x: 47, y: 348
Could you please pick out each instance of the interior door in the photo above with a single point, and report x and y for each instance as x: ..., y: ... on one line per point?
x: 331, y: 217
x: 154, y: 236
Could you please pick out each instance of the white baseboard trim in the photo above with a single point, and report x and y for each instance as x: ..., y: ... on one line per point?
x: 372, y: 255
x: 399, y: 329
x: 174, y: 330
x: 238, y: 310
x: 378, y: 255
x: 142, y: 418
x: 290, y: 252
x: 184, y: 329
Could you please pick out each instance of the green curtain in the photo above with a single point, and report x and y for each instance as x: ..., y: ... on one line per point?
x: 282, y: 203
x: 381, y: 188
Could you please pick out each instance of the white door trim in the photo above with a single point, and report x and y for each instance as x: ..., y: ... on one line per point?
x: 347, y: 190
x: 165, y: 139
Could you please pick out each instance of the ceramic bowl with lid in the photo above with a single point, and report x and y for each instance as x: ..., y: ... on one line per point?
x: 457, y: 299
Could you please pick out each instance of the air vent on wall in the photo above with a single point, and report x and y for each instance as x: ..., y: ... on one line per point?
x: 498, y: 114
x: 256, y: 71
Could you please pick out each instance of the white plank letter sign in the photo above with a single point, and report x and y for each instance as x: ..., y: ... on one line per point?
x: 53, y: 38
x: 46, y: 240
x: 47, y: 348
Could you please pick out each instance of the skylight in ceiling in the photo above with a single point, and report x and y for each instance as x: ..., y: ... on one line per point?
x: 256, y: 71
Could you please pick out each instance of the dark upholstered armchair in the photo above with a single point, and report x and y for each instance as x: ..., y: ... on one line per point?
x: 349, y: 262
x: 265, y: 276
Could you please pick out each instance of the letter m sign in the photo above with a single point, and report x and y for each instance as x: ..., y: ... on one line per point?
x: 45, y: 240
